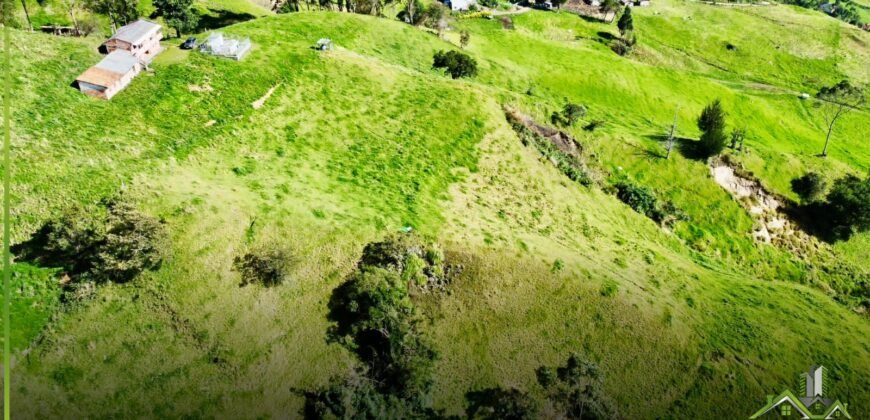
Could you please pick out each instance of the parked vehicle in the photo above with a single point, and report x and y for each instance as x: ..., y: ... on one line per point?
x: 188, y: 44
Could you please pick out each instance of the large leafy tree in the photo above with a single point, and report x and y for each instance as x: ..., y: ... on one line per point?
x: 456, y: 63
x: 849, y: 206
x: 836, y: 101
x: 120, y: 12
x: 179, y: 14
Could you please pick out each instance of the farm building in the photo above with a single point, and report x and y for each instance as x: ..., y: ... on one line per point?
x: 224, y: 46
x: 460, y: 5
x: 130, y: 50
x: 112, y: 74
x: 141, y: 39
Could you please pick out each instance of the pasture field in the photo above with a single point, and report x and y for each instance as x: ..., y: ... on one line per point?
x: 695, y: 321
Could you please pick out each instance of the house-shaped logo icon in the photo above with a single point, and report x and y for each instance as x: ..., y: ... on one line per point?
x: 812, y: 405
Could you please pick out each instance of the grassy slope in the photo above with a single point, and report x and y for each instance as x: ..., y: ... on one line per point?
x: 366, y: 139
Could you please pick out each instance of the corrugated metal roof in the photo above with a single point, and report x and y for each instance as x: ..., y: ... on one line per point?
x: 136, y: 31
x: 118, y: 61
x: 99, y: 77
x: 110, y: 69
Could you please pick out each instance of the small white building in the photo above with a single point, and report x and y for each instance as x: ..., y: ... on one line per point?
x: 460, y: 5
x: 224, y: 46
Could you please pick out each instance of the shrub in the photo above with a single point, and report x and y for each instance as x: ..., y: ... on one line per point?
x: 638, y: 198
x: 593, y: 125
x: 498, y: 403
x: 809, y: 187
x: 268, y: 268
x: 457, y: 64
x: 569, y: 115
x: 114, y: 243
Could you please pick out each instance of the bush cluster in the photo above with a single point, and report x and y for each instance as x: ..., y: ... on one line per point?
x: 644, y: 201
x: 569, y: 115
x: 267, y: 267
x: 456, y: 64
x: 568, y: 164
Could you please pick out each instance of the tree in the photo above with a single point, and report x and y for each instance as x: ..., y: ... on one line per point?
x: 574, y: 391
x: 374, y: 317
x: 809, y: 187
x: 848, y: 206
x: 711, y: 122
x: 625, y: 23
x: 26, y: 14
x: 610, y: 6
x: 836, y: 101
x: 120, y: 12
x: 7, y: 12
x: 464, y: 38
x: 498, y: 403
x: 71, y: 6
x: 456, y: 63
x: 178, y: 14
x: 289, y: 6
x: 117, y: 246
x: 569, y: 115
x: 558, y: 3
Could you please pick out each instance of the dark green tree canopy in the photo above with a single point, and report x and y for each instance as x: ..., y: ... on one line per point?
x: 711, y: 122
x: 179, y: 14
x: 849, y: 206
x: 625, y: 23
x: 575, y: 391
x: 456, y: 63
x: 500, y: 404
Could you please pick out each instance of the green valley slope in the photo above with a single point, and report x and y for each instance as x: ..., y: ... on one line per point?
x: 360, y: 141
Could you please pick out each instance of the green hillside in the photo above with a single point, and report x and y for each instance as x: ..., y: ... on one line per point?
x: 695, y: 321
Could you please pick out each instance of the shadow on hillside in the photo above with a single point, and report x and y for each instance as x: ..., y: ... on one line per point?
x: 815, y: 219
x: 651, y: 153
x: 685, y: 146
x: 219, y: 18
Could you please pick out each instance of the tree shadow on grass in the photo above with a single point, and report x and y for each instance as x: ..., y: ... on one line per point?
x: 651, y: 153
x: 685, y: 146
x: 218, y: 18
x: 815, y: 219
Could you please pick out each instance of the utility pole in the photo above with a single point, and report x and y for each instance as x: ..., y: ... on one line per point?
x: 671, y: 139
